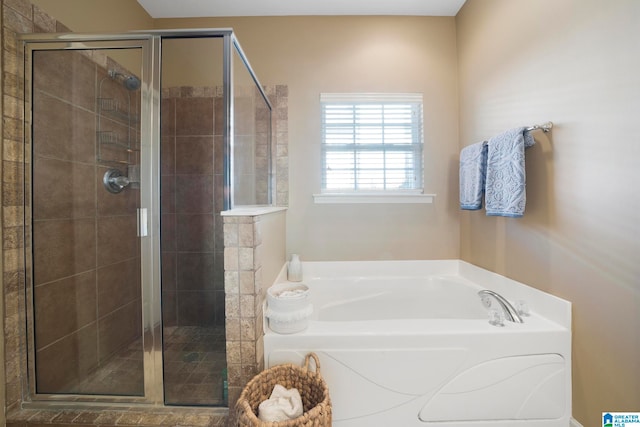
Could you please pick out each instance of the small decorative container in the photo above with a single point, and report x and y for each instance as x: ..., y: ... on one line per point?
x: 294, y: 269
x: 288, y: 307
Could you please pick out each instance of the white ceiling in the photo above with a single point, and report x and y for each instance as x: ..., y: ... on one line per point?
x: 214, y: 8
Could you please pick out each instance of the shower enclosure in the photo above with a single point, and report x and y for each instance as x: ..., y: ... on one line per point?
x: 134, y: 145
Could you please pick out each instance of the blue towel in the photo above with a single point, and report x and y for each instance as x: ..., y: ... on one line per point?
x: 473, y: 165
x: 505, y: 182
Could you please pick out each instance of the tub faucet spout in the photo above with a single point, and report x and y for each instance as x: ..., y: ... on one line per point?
x: 510, y: 313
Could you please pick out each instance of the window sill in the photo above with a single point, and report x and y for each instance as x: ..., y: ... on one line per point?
x: 334, y: 198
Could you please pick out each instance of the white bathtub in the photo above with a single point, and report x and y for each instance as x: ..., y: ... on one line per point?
x: 408, y: 343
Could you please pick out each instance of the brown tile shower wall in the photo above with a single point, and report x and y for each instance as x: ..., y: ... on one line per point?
x: 192, y: 198
x: 86, y: 262
x: 87, y: 285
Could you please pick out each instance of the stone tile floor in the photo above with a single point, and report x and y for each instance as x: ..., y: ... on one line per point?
x: 123, y: 416
x: 194, y: 360
x: 122, y: 375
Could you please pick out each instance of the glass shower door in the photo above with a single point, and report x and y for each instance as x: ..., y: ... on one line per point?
x: 192, y: 250
x: 85, y: 269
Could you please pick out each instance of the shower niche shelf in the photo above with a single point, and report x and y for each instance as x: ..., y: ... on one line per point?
x: 111, y: 108
x: 109, y: 137
x: 113, y: 146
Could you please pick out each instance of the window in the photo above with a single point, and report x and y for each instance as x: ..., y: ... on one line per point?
x: 371, y: 143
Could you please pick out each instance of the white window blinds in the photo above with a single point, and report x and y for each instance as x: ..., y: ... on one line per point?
x: 371, y: 142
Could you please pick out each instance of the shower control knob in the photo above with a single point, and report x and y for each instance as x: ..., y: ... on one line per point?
x: 114, y: 181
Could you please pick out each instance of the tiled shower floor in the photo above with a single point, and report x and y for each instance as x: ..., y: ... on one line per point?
x: 194, y: 360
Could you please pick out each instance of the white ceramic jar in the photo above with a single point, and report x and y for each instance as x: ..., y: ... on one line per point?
x: 288, y: 307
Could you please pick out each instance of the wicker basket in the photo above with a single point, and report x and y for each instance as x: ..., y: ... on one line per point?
x: 312, y: 387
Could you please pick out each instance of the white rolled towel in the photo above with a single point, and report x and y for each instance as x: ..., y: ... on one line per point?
x: 283, y: 405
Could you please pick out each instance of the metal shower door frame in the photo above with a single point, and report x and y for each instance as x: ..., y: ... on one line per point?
x: 149, y: 205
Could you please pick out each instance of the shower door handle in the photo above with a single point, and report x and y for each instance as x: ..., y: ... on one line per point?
x: 142, y: 222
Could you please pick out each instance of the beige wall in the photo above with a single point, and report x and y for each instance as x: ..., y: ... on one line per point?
x: 94, y: 16
x: 192, y: 62
x: 359, y: 54
x: 574, y: 62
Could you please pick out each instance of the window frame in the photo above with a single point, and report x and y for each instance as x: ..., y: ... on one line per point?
x: 414, y: 148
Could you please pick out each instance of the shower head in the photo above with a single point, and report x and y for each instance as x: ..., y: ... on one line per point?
x: 128, y: 81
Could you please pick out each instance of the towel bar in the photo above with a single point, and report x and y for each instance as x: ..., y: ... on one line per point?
x: 545, y: 127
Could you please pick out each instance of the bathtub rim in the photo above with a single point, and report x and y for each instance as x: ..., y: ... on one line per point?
x: 547, y: 306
